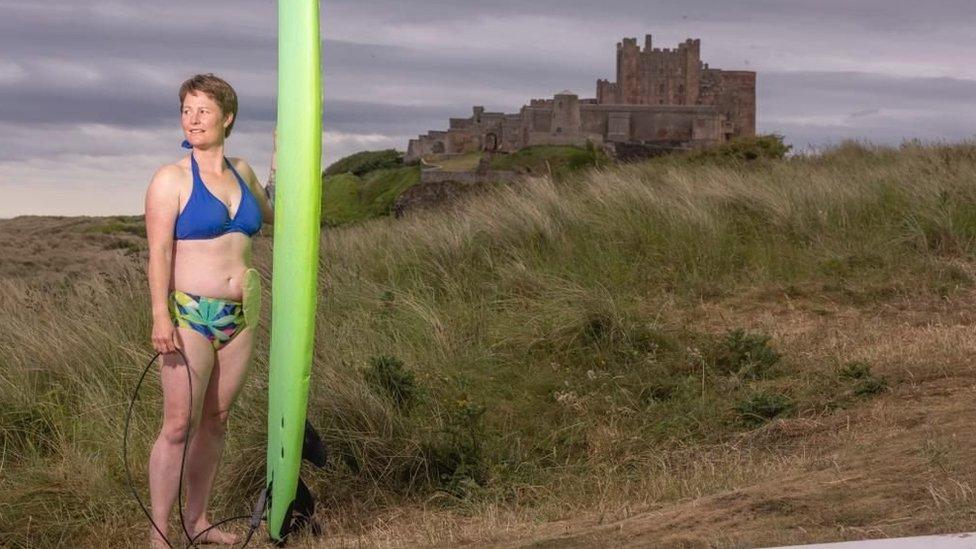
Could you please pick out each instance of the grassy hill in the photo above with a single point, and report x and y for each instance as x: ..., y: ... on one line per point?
x: 348, y: 198
x: 785, y: 341
x: 556, y: 161
x: 366, y: 184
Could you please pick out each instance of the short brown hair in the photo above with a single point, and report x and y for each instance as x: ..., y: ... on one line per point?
x: 217, y: 89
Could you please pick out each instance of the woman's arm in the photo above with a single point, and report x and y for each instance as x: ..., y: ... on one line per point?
x: 267, y: 210
x: 162, y: 208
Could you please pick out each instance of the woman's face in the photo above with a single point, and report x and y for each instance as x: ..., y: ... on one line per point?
x: 203, y: 123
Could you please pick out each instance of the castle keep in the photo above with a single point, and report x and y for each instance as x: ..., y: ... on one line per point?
x: 665, y: 97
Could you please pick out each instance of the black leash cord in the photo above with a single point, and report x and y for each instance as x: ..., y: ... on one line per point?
x: 189, y: 419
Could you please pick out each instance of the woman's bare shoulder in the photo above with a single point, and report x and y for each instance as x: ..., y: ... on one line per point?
x: 239, y: 163
x: 170, y: 174
x: 168, y: 182
x: 243, y: 168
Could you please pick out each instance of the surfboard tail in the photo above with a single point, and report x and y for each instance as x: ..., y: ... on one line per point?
x: 300, y: 513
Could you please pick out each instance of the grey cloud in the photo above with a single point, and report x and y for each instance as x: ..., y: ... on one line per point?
x: 111, y: 105
x: 251, y: 16
x: 884, y: 15
x: 365, y: 117
x: 830, y: 92
x: 832, y: 106
x: 129, y: 97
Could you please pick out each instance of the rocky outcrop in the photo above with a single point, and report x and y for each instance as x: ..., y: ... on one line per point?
x: 439, y: 194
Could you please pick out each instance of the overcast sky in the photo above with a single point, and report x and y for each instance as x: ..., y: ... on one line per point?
x: 88, y: 89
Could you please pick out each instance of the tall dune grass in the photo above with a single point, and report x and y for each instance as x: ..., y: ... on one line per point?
x: 525, y: 349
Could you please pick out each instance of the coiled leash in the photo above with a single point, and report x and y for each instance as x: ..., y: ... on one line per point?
x: 256, y: 516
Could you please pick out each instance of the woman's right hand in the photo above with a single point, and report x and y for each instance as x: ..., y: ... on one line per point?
x: 164, y: 335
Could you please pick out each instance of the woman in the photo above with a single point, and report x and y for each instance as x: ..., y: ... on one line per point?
x: 201, y: 213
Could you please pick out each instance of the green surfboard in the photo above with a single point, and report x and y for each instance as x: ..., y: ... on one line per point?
x: 298, y: 191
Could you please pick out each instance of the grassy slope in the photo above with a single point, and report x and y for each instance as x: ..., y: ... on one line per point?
x: 551, y: 348
x: 347, y: 198
x: 350, y: 198
x: 456, y: 163
x: 559, y: 161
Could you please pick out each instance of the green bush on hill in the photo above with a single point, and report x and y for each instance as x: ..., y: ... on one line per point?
x: 364, y: 162
x: 767, y: 147
x: 741, y: 150
x: 760, y: 147
x: 348, y: 198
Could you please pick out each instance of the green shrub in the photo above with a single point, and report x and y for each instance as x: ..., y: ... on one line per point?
x: 745, y: 355
x: 364, y: 162
x: 760, y: 147
x: 865, y: 384
x: 739, y: 149
x: 387, y: 376
x: 869, y: 386
x: 455, y: 457
x: 761, y: 407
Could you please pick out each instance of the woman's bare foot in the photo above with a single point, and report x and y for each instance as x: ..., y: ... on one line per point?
x: 156, y: 542
x: 214, y: 535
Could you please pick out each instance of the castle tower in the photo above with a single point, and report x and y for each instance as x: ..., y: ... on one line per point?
x: 691, y: 63
x: 653, y: 76
x: 566, y: 114
x: 628, y: 71
x: 674, y: 77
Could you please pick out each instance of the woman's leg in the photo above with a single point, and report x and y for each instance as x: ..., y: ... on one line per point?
x: 226, y: 381
x: 167, y: 452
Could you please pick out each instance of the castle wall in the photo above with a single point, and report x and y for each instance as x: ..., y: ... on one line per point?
x: 736, y: 97
x: 565, y: 115
x: 462, y: 141
x: 593, y: 122
x: 569, y: 122
x: 664, y: 95
x: 540, y: 120
x: 649, y: 123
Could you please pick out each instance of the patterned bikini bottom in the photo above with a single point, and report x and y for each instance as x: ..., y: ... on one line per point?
x: 219, y: 320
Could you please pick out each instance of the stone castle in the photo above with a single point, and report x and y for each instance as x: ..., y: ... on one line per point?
x: 662, y: 97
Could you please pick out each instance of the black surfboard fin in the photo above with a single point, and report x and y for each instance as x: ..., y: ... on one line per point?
x: 301, y: 511
x: 313, y: 449
x: 305, y: 510
x: 300, y: 515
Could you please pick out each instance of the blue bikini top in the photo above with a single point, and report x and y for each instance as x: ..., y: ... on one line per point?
x: 205, y: 216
